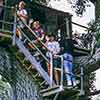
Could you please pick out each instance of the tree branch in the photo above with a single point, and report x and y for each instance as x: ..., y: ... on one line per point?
x: 94, y: 93
x: 93, y: 1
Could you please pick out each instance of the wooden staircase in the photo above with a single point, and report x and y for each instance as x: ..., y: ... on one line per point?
x: 33, y: 61
x: 27, y: 58
x: 33, y: 66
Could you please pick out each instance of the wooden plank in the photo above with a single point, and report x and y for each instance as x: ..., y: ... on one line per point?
x: 80, y: 48
x: 48, y: 93
x: 42, y: 83
x: 81, y: 52
x: 49, y: 89
x: 5, y: 35
x: 79, y: 25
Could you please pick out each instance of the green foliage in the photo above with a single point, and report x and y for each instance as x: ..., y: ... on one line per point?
x: 5, y: 90
x: 80, y: 6
x: 94, y: 27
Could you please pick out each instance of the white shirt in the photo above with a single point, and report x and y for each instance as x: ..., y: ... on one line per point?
x: 24, y: 13
x: 54, y: 47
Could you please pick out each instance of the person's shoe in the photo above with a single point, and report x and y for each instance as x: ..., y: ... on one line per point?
x: 70, y: 87
x: 69, y: 83
x: 77, y: 81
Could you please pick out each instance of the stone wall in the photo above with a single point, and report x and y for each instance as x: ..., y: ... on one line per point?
x: 25, y: 88
x: 23, y: 85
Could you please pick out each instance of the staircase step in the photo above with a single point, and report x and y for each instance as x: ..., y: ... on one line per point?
x: 42, y: 83
x: 25, y: 59
x: 20, y: 55
x: 29, y: 67
x: 44, y: 86
x: 27, y: 63
x: 51, y: 90
x: 36, y: 75
x: 40, y: 79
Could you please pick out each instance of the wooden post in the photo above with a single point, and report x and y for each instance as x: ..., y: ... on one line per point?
x: 4, y: 14
x: 62, y: 71
x: 69, y: 26
x: 14, y: 27
x: 82, y: 80
x: 51, y: 68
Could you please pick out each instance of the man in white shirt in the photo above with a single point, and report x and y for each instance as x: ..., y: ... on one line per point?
x: 54, y: 48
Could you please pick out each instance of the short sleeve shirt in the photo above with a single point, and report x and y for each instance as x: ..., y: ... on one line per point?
x: 39, y: 32
x: 24, y: 13
x: 54, y: 47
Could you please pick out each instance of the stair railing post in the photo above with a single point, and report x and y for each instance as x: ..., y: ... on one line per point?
x: 62, y: 71
x: 14, y: 27
x: 51, y: 68
x: 82, y: 80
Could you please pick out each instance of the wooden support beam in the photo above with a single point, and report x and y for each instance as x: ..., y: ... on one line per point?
x: 5, y: 35
x: 79, y: 25
x: 5, y: 31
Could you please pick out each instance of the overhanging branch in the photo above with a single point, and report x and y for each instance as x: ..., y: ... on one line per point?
x: 93, y: 1
x: 94, y: 93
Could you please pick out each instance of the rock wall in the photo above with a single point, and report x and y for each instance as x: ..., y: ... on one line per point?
x: 23, y: 85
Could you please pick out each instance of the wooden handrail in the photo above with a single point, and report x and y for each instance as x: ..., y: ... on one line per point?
x: 3, y: 6
x: 34, y: 46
